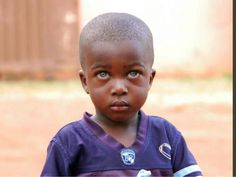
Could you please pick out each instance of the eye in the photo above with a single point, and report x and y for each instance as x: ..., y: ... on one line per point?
x: 133, y: 74
x: 103, y: 75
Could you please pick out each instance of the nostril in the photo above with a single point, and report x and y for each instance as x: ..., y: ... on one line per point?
x: 119, y: 91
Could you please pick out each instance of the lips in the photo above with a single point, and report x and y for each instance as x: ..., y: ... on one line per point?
x: 119, y: 105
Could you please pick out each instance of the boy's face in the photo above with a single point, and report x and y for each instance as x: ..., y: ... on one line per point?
x: 118, y: 76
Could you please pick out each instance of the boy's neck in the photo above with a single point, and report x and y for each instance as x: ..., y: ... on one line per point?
x: 124, y: 132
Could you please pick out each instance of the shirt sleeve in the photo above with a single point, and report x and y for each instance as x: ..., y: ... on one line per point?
x: 57, y: 161
x: 184, y: 163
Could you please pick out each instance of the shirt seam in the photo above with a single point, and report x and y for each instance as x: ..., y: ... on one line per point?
x: 62, y: 149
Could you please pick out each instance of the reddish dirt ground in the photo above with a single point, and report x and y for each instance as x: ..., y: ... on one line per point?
x: 31, y: 113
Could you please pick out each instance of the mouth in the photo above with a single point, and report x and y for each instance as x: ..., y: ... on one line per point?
x: 119, y: 106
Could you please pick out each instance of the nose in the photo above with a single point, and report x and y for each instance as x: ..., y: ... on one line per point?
x: 119, y: 87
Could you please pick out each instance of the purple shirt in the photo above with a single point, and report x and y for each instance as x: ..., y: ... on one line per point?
x: 83, y: 148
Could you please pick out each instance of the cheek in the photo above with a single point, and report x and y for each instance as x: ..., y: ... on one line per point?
x: 98, y: 95
x: 139, y: 96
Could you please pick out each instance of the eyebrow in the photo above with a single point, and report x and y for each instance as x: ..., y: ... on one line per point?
x: 135, y: 64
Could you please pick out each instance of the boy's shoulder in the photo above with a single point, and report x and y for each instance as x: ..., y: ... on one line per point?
x: 70, y: 131
x: 163, y: 126
x: 161, y: 122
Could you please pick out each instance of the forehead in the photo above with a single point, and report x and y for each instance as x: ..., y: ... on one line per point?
x: 127, y: 51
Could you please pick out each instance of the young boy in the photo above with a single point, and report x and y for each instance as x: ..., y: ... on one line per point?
x: 116, y: 56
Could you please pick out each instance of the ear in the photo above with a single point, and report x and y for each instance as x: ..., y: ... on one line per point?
x: 152, y: 75
x: 83, y: 81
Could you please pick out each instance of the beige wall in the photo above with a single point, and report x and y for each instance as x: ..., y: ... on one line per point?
x: 191, y: 37
x: 38, y: 38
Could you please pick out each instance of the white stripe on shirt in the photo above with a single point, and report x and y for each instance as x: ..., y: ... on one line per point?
x: 187, y: 170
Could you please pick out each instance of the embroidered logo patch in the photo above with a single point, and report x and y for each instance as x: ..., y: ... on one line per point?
x: 127, y: 156
x: 165, y: 150
x: 144, y: 173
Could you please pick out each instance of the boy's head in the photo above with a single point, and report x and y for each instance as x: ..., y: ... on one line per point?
x: 115, y: 27
x: 116, y: 54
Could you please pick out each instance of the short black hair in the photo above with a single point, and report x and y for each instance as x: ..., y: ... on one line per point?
x: 116, y: 27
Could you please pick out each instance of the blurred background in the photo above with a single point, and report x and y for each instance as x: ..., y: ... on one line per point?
x: 40, y: 90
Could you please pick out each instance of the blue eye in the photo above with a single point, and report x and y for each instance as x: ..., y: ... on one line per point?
x: 103, y: 75
x: 133, y: 74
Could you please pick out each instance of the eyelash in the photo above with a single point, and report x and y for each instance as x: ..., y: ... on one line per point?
x: 99, y: 75
x: 137, y: 74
